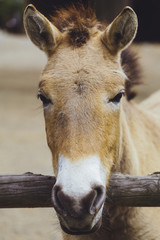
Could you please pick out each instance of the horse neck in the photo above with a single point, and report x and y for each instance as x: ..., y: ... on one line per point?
x: 136, y: 132
x: 139, y: 141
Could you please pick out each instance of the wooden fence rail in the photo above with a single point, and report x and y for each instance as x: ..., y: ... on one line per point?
x: 31, y: 190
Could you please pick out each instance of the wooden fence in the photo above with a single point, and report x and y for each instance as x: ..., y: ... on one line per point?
x: 32, y: 191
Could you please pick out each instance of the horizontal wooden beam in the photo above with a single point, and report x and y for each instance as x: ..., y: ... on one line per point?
x: 25, y: 191
x: 126, y: 190
x: 33, y: 191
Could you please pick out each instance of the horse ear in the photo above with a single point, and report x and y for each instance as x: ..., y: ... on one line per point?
x: 40, y: 30
x: 121, y: 32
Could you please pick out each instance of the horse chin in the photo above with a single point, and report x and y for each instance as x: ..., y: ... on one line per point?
x: 84, y: 231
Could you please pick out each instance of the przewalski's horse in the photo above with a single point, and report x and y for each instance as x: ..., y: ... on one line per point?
x: 92, y: 126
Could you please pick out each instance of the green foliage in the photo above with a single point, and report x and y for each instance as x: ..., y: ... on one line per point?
x: 10, y: 9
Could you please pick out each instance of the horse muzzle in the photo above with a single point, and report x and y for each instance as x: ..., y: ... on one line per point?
x: 82, y: 215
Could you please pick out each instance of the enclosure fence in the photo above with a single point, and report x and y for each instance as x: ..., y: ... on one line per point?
x: 34, y: 190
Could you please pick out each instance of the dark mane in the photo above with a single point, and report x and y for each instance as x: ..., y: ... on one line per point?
x: 131, y: 67
x: 66, y: 12
x: 77, y: 17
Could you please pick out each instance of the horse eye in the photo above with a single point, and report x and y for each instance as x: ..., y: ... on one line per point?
x: 44, y: 99
x: 117, y: 98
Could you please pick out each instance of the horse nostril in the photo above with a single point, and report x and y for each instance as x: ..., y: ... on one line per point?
x: 56, y: 201
x: 98, y: 200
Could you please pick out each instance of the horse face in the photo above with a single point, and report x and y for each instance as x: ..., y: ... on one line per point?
x: 82, y: 102
x: 81, y: 90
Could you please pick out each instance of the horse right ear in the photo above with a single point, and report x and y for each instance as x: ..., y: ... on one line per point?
x: 40, y: 30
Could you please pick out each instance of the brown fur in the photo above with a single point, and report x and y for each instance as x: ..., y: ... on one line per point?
x: 78, y: 36
x: 80, y: 81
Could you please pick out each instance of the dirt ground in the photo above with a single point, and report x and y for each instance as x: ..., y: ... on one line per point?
x: 23, y: 145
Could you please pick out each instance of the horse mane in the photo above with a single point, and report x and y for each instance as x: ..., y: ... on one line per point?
x: 132, y: 69
x: 77, y: 18
x: 64, y: 13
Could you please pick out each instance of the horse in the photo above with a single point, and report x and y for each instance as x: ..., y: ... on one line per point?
x: 93, y: 126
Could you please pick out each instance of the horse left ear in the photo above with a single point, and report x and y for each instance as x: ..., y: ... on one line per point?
x: 121, y: 32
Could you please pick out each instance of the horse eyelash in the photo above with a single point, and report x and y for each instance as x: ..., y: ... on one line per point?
x: 118, y: 97
x: 44, y: 99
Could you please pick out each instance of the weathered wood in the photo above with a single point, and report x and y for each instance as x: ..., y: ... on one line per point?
x: 125, y: 190
x: 25, y: 191
x: 31, y: 190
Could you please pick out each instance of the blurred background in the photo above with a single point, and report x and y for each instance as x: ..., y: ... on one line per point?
x: 23, y: 145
